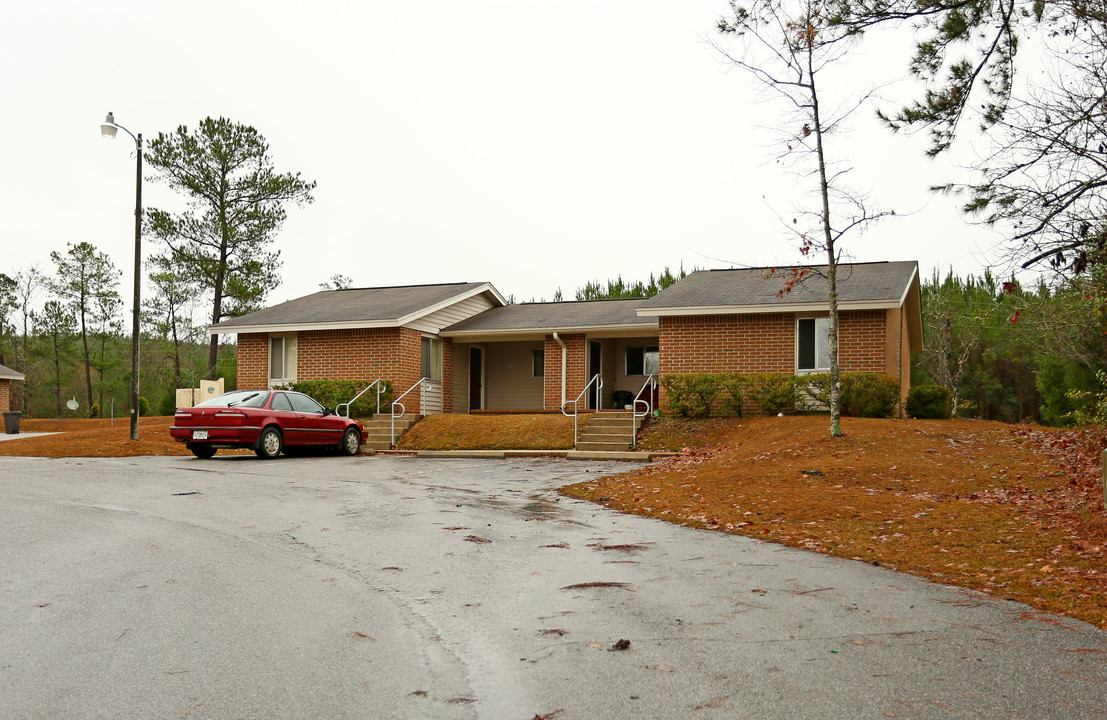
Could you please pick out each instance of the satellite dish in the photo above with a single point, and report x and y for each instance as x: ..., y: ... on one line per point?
x: 72, y: 404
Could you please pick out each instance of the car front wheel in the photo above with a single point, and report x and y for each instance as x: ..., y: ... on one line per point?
x: 269, y: 444
x: 351, y: 442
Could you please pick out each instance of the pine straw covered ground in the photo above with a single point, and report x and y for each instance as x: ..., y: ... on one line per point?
x: 83, y: 437
x: 540, y: 431
x: 1013, y: 511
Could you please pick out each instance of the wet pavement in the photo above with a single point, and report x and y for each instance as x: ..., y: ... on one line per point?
x: 398, y: 587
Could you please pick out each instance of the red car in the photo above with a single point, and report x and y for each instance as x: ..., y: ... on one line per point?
x: 266, y: 421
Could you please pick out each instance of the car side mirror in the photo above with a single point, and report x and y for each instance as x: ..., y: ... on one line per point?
x: 327, y: 411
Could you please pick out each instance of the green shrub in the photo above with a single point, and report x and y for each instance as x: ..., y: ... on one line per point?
x: 691, y: 394
x: 94, y: 411
x: 863, y: 394
x: 873, y: 395
x: 773, y: 392
x: 143, y: 406
x: 331, y: 393
x: 814, y: 388
x: 168, y: 403
x: 928, y: 402
x: 733, y: 388
x: 1089, y: 406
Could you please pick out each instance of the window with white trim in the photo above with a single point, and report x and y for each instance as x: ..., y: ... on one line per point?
x: 430, y: 364
x: 642, y: 361
x: 282, y: 359
x: 813, y: 344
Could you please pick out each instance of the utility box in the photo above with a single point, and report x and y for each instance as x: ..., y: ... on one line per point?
x: 210, y: 389
x: 187, y: 397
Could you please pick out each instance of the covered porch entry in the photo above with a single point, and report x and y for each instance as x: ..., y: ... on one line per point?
x: 526, y: 375
x: 534, y: 357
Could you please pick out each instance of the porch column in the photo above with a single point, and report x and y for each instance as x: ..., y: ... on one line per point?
x: 575, y: 374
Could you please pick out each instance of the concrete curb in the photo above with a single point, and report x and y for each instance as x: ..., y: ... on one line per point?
x: 629, y: 456
x: 21, y: 435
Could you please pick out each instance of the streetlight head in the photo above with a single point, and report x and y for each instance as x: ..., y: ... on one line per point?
x: 108, y: 129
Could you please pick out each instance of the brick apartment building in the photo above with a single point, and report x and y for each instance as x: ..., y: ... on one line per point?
x: 477, y: 352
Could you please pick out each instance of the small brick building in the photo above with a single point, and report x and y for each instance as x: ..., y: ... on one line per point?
x: 7, y: 377
x: 480, y: 353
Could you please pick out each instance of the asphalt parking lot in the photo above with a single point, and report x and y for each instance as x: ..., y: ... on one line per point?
x: 395, y: 587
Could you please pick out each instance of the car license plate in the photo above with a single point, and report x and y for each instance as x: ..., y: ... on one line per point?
x: 199, y: 434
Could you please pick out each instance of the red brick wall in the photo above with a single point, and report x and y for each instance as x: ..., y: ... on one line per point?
x: 905, y: 361
x: 862, y: 341
x: 362, y: 354
x: 767, y: 343
x: 727, y: 343
x: 253, y: 361
x: 448, y: 375
x: 577, y: 369
x: 5, y: 395
x: 898, y: 353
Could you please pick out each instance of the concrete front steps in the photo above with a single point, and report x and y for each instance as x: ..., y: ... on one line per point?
x: 609, y: 431
x: 379, y: 430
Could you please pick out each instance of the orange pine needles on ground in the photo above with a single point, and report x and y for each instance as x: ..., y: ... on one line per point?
x: 1012, y: 511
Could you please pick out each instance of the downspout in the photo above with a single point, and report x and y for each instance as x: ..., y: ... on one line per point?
x: 564, y: 365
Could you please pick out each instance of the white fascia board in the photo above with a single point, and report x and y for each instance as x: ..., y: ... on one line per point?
x: 907, y: 289
x: 421, y: 312
x: 12, y: 376
x: 298, y: 327
x: 764, y: 309
x: 506, y: 334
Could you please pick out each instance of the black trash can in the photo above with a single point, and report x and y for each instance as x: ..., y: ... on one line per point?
x: 11, y: 422
x: 621, y: 398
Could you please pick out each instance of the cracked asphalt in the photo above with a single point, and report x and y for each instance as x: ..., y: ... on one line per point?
x: 396, y: 587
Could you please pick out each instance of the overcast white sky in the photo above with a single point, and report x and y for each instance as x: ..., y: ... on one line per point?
x: 534, y: 145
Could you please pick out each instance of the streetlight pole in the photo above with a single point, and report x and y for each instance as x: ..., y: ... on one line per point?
x: 108, y: 129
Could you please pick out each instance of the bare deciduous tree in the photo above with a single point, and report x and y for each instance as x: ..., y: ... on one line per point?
x: 787, y: 46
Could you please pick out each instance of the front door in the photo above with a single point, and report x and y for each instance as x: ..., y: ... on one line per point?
x: 476, y: 378
x: 595, y: 365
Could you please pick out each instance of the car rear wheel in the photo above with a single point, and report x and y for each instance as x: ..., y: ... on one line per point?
x: 269, y: 444
x: 202, y: 451
x: 351, y: 442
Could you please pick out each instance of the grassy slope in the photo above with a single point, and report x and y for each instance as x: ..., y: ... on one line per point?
x: 968, y: 503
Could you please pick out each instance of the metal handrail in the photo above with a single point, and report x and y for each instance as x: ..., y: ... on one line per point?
x: 599, y: 386
x: 403, y: 409
x: 651, y: 383
x: 380, y: 389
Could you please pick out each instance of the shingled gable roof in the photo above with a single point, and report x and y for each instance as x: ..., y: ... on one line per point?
x: 861, y: 286
x: 357, y: 308
x: 6, y: 373
x: 542, y: 318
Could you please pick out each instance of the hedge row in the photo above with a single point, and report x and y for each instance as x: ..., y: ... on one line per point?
x: 862, y: 394
x: 331, y: 393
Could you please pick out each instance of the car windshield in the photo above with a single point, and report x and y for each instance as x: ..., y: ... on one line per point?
x: 238, y: 398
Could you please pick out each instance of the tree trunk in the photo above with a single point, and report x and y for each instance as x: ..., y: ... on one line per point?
x: 57, y: 382
x: 88, y: 358
x: 831, y: 258
x: 217, y: 306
